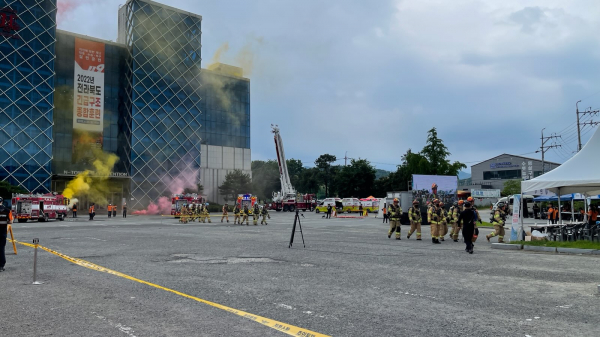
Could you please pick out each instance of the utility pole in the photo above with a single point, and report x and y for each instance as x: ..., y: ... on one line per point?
x: 346, y: 159
x: 545, y: 148
x: 589, y: 111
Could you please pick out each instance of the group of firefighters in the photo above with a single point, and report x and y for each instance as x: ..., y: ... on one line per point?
x: 201, y: 213
x: 461, y: 215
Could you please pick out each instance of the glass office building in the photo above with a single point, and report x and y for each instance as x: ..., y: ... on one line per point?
x: 168, y: 121
x: 27, y: 46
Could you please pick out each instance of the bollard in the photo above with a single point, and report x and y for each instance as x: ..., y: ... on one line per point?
x: 36, y: 242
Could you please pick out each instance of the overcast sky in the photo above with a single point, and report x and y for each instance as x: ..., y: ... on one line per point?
x: 371, y: 77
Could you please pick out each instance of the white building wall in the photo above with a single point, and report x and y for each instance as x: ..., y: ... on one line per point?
x: 216, y: 162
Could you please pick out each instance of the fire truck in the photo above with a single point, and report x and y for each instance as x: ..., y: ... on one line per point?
x: 40, y: 207
x: 245, y: 200
x: 288, y: 199
x: 180, y: 200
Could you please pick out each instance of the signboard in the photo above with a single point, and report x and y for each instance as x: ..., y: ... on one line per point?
x: 8, y: 23
x: 514, y: 231
x: 88, y: 98
x: 506, y: 164
x: 427, y: 188
x: 527, y: 170
x: 485, y: 193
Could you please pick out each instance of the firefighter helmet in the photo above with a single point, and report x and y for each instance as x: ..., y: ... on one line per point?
x: 455, y: 204
x: 470, y: 199
x: 441, y: 204
x: 460, y: 202
x: 433, y: 185
x: 467, y: 204
x: 435, y: 201
x: 396, y: 200
x: 501, y: 204
x: 415, y: 202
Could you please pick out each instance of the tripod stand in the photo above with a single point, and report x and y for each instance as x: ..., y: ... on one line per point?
x: 296, y: 220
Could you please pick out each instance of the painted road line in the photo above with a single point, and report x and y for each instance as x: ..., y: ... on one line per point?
x: 280, y: 326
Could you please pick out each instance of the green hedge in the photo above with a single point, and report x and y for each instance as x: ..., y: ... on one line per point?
x: 583, y: 244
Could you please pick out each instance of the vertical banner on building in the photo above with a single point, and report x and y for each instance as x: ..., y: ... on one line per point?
x: 88, y: 98
x: 514, y: 231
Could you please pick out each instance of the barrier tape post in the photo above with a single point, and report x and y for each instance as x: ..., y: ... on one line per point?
x: 12, y: 238
x: 36, y: 242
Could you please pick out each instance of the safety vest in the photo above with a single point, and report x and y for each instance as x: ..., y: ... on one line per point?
x: 498, y: 217
x: 91, y: 209
x: 434, y: 215
x: 454, y: 212
x: 114, y: 208
x: 225, y: 210
x: 236, y: 211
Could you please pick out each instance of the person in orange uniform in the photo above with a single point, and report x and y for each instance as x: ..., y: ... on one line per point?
x: 109, y: 210
x: 114, y: 211
x: 92, y: 211
x: 593, y: 215
x: 556, y: 217
x: 550, y: 214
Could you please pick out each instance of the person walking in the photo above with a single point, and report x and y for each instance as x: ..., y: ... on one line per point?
x: 434, y: 218
x: 6, y: 218
x: 109, y: 210
x: 454, y: 213
x: 74, y: 210
x: 443, y: 224
x: 466, y: 220
x: 92, y: 211
x: 414, y: 214
x: 498, y: 222
x: 225, y: 213
x: 245, y: 215
x: 551, y: 214
x: 264, y: 213
x: 124, y: 210
x: 384, y: 211
x: 255, y: 214
x: 328, y: 212
x: 236, y: 215
x: 395, y: 212
x: 114, y: 211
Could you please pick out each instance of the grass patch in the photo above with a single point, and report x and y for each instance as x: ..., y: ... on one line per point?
x: 562, y: 244
x: 485, y: 224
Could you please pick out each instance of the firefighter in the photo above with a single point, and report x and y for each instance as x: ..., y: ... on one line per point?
x: 236, y: 215
x: 498, y: 222
x: 477, y: 217
x: 264, y: 214
x: 192, y: 211
x: 109, y: 210
x: 414, y: 214
x: 5, y: 220
x: 91, y: 211
x: 114, y: 211
x: 207, y: 213
x: 395, y: 211
x: 225, y: 213
x: 201, y: 216
x: 443, y: 225
x: 466, y: 221
x: 455, y: 211
x: 433, y: 217
x: 255, y: 214
x: 245, y: 215
x: 185, y: 214
x: 124, y: 210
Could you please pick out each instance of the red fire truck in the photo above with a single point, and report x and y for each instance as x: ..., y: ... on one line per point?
x: 245, y: 200
x: 306, y: 202
x: 40, y: 207
x: 180, y: 200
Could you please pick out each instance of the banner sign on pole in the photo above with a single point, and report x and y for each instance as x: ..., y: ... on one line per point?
x: 514, y: 231
x: 485, y: 193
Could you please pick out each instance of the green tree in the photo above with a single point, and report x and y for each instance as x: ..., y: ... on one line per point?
x: 236, y: 182
x: 6, y: 190
x: 326, y: 176
x: 437, y: 153
x: 356, y: 179
x: 295, y: 170
x: 308, y: 181
x: 511, y: 187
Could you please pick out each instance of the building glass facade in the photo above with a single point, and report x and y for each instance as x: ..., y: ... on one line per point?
x: 169, y: 121
x: 164, y: 96
x: 27, y: 53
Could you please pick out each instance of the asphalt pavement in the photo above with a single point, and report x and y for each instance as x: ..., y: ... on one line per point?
x: 350, y: 280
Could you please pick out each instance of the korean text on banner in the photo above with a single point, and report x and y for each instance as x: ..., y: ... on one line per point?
x: 88, y: 100
x: 514, y: 231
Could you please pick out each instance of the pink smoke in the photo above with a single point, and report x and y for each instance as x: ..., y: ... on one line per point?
x: 162, y: 207
x: 64, y: 7
x: 186, y: 179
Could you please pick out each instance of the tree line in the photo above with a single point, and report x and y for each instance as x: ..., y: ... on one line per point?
x: 328, y: 179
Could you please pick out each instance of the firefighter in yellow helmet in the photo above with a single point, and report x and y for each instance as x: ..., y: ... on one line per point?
x: 434, y: 219
x: 207, y: 213
x: 245, y: 214
x: 264, y: 213
x: 395, y: 212
x: 414, y: 214
x: 255, y: 214
x: 455, y: 211
x: 236, y: 214
x: 498, y: 222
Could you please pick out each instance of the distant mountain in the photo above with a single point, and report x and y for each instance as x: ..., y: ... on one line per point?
x: 463, y: 175
x: 381, y: 173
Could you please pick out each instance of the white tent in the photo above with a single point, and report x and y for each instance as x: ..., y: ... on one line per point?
x: 580, y: 174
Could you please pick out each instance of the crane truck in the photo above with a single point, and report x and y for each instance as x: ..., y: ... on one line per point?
x: 288, y: 199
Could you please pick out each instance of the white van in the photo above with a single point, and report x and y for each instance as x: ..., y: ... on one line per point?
x: 528, y: 199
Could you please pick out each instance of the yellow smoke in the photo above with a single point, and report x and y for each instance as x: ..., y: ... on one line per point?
x: 93, y: 183
x: 219, y: 53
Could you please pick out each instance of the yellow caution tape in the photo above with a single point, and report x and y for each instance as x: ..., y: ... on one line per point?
x: 283, y: 327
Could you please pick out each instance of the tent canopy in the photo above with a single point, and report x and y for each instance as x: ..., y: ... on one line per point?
x: 580, y: 174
